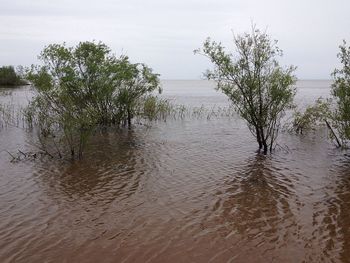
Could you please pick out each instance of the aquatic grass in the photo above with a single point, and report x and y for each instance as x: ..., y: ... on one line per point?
x: 154, y: 108
x: 9, y: 115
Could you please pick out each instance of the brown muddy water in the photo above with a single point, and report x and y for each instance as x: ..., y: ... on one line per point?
x: 190, y: 190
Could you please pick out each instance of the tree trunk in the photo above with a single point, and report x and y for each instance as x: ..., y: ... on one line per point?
x: 263, y: 140
x: 129, y: 118
x: 334, y: 135
x: 258, y: 138
x: 265, y: 147
x: 72, y: 153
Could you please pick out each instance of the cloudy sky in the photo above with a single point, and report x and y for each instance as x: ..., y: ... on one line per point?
x: 164, y: 33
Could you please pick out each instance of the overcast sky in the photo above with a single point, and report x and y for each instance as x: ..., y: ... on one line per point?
x: 164, y: 33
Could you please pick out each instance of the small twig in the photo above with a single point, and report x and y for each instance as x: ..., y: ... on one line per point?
x: 25, y: 155
x: 13, y: 157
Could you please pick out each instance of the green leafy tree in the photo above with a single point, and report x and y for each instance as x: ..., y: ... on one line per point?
x: 139, y: 81
x: 9, y: 76
x: 251, y: 77
x: 79, y: 88
x: 341, y: 93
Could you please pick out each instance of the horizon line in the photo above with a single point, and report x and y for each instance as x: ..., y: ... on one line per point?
x: 187, y: 79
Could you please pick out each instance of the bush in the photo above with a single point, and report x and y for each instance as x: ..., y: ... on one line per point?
x: 341, y: 93
x: 313, y: 116
x: 82, y: 88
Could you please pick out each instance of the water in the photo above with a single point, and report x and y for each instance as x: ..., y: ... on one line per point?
x: 179, y: 191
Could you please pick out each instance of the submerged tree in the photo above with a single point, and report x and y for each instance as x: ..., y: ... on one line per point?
x: 341, y: 92
x: 315, y: 115
x: 81, y: 88
x: 251, y: 77
x: 132, y: 90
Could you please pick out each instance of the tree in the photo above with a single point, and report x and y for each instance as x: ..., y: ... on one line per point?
x: 9, y: 76
x: 79, y: 88
x: 341, y: 93
x: 140, y: 81
x: 251, y: 77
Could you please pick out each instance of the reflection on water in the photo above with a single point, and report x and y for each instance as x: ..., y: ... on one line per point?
x: 179, y: 191
x: 257, y: 199
x: 98, y: 171
x: 254, y: 213
x: 333, y: 214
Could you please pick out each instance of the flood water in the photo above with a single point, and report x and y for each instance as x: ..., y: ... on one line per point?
x: 191, y: 190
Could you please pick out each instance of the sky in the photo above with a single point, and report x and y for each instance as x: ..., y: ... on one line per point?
x: 164, y: 33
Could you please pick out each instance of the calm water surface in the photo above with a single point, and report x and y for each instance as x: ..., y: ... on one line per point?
x: 179, y: 191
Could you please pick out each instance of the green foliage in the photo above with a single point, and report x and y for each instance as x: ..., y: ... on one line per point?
x: 9, y: 77
x: 85, y: 87
x: 341, y: 93
x: 313, y: 116
x: 251, y: 77
x: 139, y: 81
